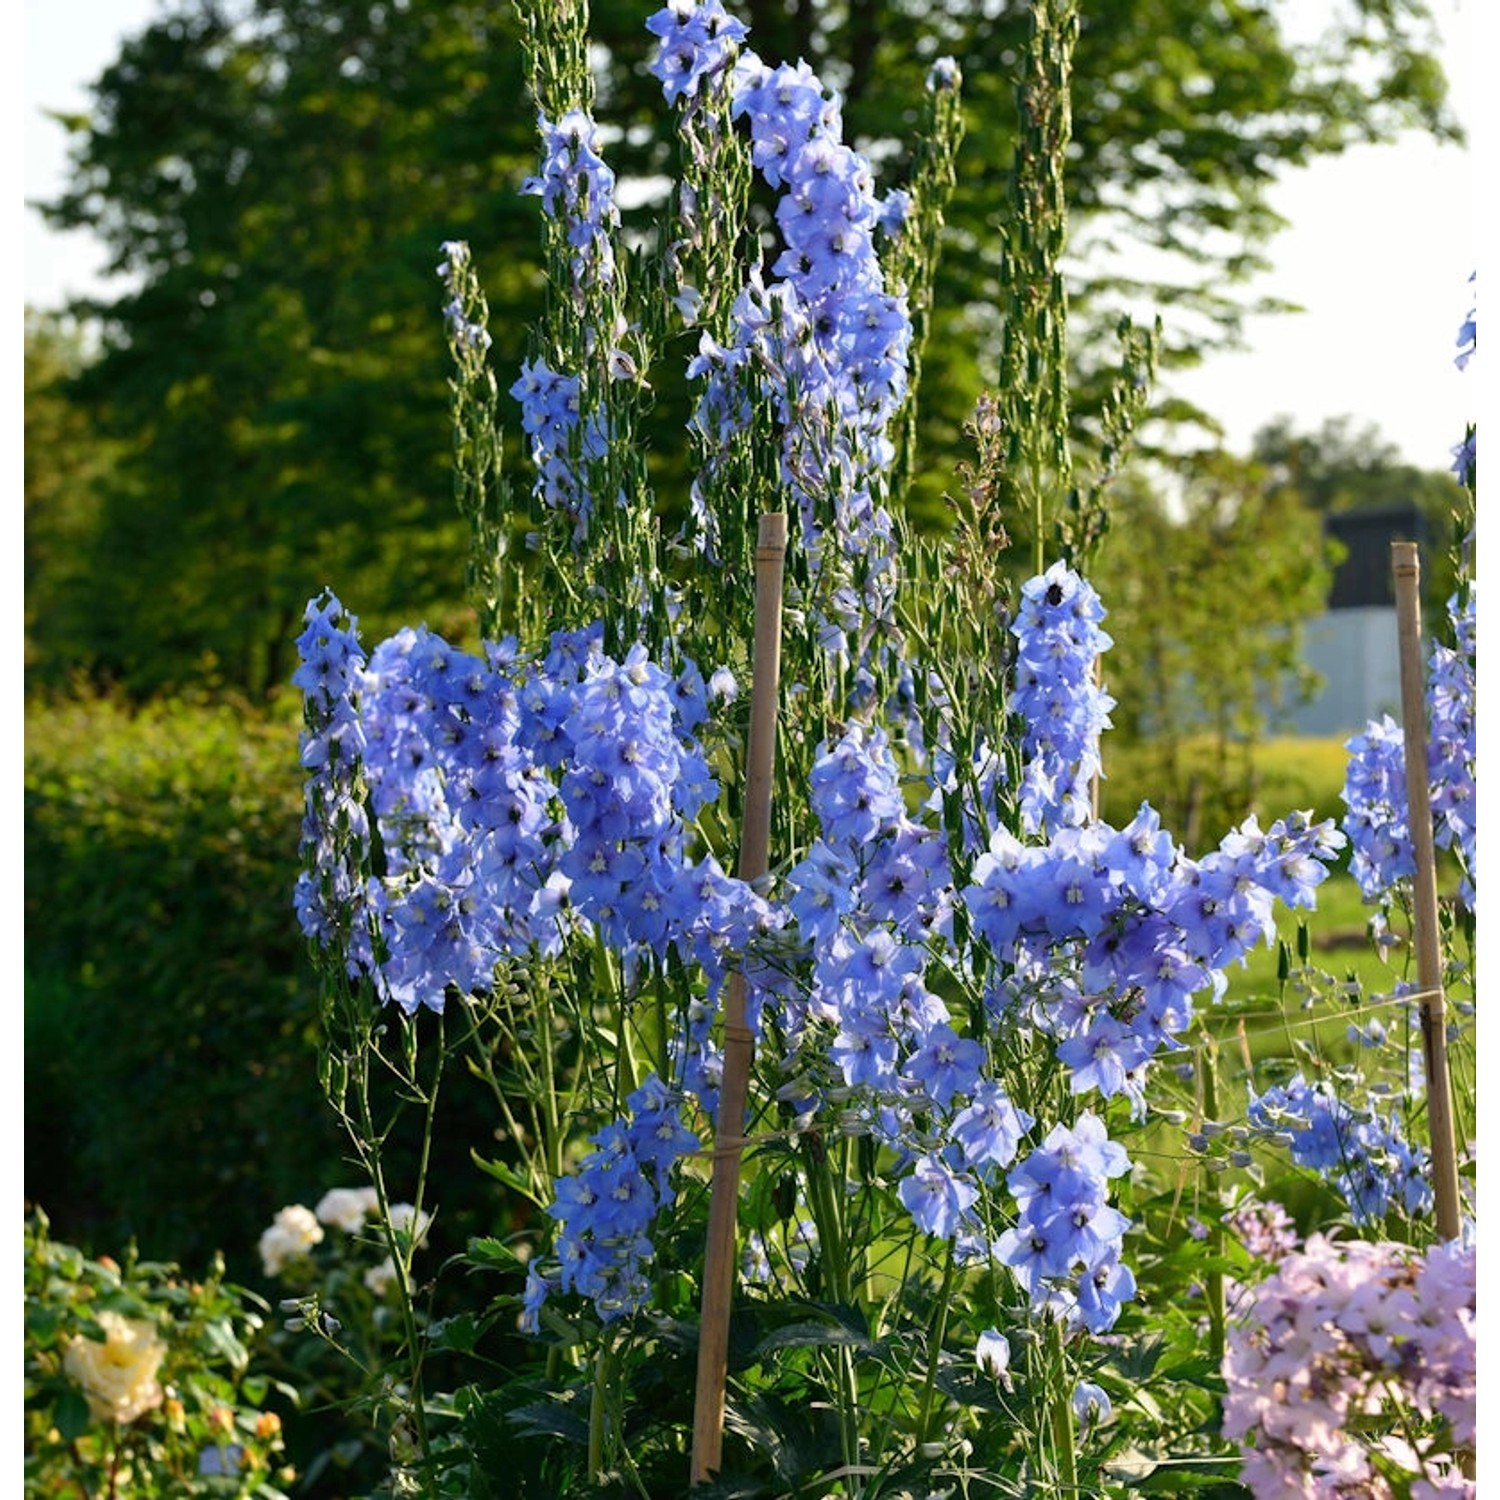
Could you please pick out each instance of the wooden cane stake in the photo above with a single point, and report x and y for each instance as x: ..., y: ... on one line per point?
x: 739, y: 1043
x: 1407, y: 571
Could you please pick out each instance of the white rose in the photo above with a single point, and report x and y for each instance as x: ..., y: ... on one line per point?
x: 293, y: 1233
x: 347, y: 1208
x: 408, y: 1220
x: 380, y: 1279
x: 119, y: 1375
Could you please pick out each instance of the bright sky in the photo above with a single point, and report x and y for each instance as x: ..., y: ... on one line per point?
x: 1380, y: 249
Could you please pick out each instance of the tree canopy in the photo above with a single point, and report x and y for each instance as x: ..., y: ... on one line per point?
x: 273, y: 181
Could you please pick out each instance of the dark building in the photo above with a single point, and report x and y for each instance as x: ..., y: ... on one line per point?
x: 1353, y: 646
x: 1363, y: 579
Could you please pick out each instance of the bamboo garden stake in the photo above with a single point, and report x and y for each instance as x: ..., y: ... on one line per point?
x: 1407, y: 571
x: 739, y: 1044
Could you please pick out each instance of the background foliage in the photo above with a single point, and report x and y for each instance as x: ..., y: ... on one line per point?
x: 273, y: 181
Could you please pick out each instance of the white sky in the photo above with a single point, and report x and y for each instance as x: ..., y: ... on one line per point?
x: 1379, y: 252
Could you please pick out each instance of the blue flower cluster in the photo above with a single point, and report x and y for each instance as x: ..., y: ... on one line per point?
x: 568, y: 428
x: 1468, y: 334
x: 1104, y: 936
x: 828, y: 338
x: 517, y: 801
x: 605, y: 1209
x: 1374, y: 794
x: 1465, y: 457
x: 563, y: 446
x: 1452, y: 746
x: 330, y: 896
x: 872, y: 904
x: 1057, y: 697
x: 470, y: 338
x: 1376, y: 816
x: 1366, y: 1158
x: 1065, y: 1245
x: 577, y: 189
x: 698, y: 41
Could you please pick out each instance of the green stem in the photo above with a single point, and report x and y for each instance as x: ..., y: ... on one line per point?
x: 1214, y: 1281
x: 598, y: 1401
x: 935, y: 1345
x: 552, y: 1149
x: 1063, y: 1439
x: 823, y: 1200
x: 369, y: 1146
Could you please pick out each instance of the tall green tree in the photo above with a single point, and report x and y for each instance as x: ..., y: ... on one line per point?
x: 67, y: 464
x: 1207, y: 598
x: 273, y: 181
x: 277, y: 181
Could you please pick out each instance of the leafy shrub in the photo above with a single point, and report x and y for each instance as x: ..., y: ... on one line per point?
x: 172, y: 1088
x: 171, y: 1076
x: 138, y: 1381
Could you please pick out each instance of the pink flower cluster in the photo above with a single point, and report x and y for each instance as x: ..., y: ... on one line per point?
x: 1351, y: 1372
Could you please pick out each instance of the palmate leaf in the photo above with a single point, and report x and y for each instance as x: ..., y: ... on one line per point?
x: 554, y: 1418
x: 809, y: 1335
x: 969, y: 1389
x: 794, y: 1435
x: 797, y: 1323
x: 504, y: 1173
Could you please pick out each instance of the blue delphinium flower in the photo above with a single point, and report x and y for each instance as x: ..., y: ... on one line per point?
x: 1062, y: 708
x: 698, y: 39
x: 1365, y: 1157
x: 828, y: 342
x: 605, y: 1210
x: 1468, y: 337
x: 945, y: 1064
x: 518, y: 801
x: 1065, y: 1244
x: 1090, y: 1404
x: 989, y: 1130
x: 577, y: 189
x: 937, y: 1197
x: 331, y: 896
x: 1465, y: 460
x: 1375, y: 796
x: 992, y: 1355
x: 855, y: 790
x: 563, y: 443
x: 1376, y: 819
x: 1452, y: 746
x: 470, y: 337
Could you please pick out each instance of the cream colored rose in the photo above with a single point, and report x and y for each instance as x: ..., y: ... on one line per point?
x: 404, y: 1219
x: 119, y: 1375
x: 408, y: 1220
x: 380, y: 1279
x: 348, y: 1208
x: 293, y: 1233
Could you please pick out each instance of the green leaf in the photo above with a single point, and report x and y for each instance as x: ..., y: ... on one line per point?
x: 504, y: 1172
x: 71, y: 1415
x: 550, y: 1419
x: 814, y: 1336
x: 493, y: 1255
x: 1172, y: 1477
x: 459, y: 1334
x: 969, y: 1389
x: 221, y: 1340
